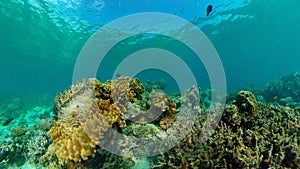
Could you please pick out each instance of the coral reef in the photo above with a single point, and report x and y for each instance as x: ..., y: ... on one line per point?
x: 246, y: 102
x: 14, y: 152
x: 249, y: 135
x: 286, y: 86
x: 45, y: 124
x: 37, y: 146
x: 163, y: 107
x: 17, y: 132
x: 73, y: 144
x: 69, y: 131
x: 142, y: 130
x: 85, y: 111
x: 104, y: 159
x: 4, y: 151
x: 49, y: 159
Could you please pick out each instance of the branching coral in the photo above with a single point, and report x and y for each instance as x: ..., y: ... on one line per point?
x: 271, y: 141
x: 242, y: 110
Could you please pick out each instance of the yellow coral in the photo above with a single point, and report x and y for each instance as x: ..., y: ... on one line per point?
x: 109, y: 111
x: 167, y: 120
x: 73, y: 144
x: 85, y: 111
x: 102, y: 90
x: 78, y: 128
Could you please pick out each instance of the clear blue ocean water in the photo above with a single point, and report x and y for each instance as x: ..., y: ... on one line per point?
x: 257, y: 41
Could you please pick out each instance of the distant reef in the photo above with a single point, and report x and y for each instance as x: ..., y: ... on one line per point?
x: 285, y: 90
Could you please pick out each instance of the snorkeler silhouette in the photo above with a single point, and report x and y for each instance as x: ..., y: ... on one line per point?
x: 209, y: 8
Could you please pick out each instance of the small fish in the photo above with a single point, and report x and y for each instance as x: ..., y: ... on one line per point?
x: 148, y: 81
x: 275, y: 97
x: 118, y: 75
x: 209, y: 8
x: 7, y: 121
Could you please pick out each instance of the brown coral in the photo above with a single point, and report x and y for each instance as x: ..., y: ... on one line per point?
x: 159, y: 100
x: 119, y: 94
x: 18, y: 131
x: 269, y: 142
x: 246, y: 102
x: 191, y: 97
x: 241, y: 111
x: 125, y: 90
x: 109, y: 111
x: 167, y: 120
x: 231, y: 115
x: 163, y: 106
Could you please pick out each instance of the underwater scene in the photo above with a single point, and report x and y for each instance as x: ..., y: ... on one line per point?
x: 152, y: 84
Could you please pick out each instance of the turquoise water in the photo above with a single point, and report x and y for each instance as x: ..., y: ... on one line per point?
x: 257, y: 41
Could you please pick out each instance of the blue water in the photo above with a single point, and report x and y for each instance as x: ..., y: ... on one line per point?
x: 257, y: 40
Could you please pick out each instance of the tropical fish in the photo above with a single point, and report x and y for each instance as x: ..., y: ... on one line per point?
x: 209, y: 8
x: 8, y: 121
x: 118, y: 75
